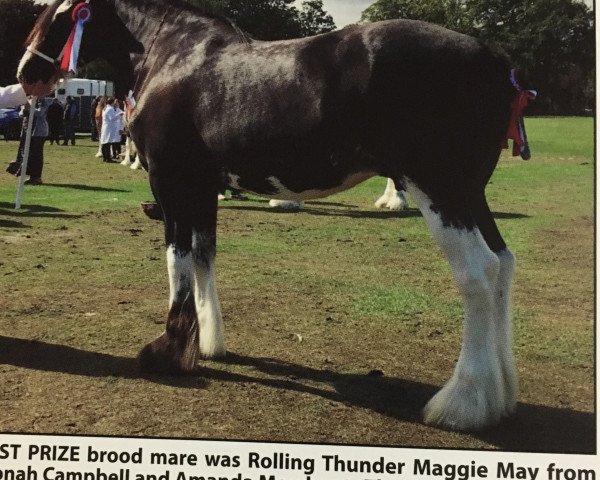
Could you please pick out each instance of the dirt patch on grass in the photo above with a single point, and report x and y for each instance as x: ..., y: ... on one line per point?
x: 71, y: 330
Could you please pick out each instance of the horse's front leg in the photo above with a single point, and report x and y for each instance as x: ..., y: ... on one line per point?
x: 194, y: 323
x: 212, y: 343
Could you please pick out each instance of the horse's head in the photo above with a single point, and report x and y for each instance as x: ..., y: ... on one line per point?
x: 104, y: 36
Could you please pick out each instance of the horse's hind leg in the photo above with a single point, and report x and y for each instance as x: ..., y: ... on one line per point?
x: 502, y: 297
x: 482, y: 387
x: 392, y: 198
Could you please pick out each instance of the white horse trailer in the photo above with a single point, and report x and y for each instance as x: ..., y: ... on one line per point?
x: 83, y: 90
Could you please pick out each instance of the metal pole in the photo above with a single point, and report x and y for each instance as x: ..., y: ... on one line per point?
x: 32, y: 102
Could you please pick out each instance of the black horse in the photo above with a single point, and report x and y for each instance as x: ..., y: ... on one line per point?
x: 302, y: 119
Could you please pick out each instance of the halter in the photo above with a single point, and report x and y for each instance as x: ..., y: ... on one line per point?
x: 53, y: 61
x: 67, y: 59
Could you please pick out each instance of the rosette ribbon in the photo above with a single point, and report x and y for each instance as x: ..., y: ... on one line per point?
x: 516, y: 125
x: 82, y: 13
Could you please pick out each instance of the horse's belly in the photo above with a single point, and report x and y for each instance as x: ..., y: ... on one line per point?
x: 282, y: 187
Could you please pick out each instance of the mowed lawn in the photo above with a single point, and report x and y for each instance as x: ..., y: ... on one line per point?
x: 341, y: 320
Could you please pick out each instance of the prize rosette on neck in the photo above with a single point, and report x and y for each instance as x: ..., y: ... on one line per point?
x: 82, y: 13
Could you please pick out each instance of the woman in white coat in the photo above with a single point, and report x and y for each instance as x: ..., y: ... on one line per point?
x: 111, y: 129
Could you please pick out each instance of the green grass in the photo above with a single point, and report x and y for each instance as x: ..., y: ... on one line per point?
x: 339, y: 272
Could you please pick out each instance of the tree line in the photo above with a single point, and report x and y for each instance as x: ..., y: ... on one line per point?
x: 551, y: 42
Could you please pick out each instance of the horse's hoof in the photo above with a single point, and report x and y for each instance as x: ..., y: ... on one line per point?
x: 164, y: 356
x: 467, y: 405
x: 152, y: 210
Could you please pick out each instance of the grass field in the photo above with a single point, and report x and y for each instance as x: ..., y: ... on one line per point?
x: 84, y: 286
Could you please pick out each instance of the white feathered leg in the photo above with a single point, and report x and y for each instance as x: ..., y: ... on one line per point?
x: 127, y: 160
x: 392, y: 198
x: 482, y: 388
x: 286, y: 204
x: 212, y: 329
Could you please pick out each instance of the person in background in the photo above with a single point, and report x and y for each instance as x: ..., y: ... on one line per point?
x: 116, y: 146
x: 69, y: 117
x: 95, y: 131
x: 55, y: 117
x: 39, y: 134
x: 14, y: 167
x: 111, y: 122
x: 98, y: 120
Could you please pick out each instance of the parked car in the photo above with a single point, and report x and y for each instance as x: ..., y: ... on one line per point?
x: 10, y: 123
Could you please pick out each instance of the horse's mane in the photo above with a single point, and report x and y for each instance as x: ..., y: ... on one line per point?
x: 43, y: 22
x: 205, y: 8
x: 202, y: 7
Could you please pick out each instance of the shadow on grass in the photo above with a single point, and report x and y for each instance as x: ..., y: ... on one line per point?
x: 12, y: 224
x: 306, y: 202
x: 328, y: 212
x: 533, y: 428
x: 8, y: 209
x: 91, y: 188
x: 351, y: 211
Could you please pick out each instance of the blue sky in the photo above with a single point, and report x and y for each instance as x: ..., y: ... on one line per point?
x: 344, y: 11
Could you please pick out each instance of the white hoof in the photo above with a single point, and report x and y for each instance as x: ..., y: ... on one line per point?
x: 471, y: 402
x: 208, y: 353
x: 126, y: 162
x: 381, y: 201
x: 393, y: 202
x: 286, y: 204
x: 397, y: 202
x: 136, y: 165
x: 98, y: 155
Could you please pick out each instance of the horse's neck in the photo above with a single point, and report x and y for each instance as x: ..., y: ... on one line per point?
x: 148, y: 20
x: 142, y: 19
x: 145, y: 19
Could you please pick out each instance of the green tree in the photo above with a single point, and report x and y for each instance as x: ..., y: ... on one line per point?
x: 550, y: 41
x: 273, y: 19
x: 17, y: 17
x: 448, y: 13
x: 314, y: 19
x: 98, y: 70
x: 265, y: 20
